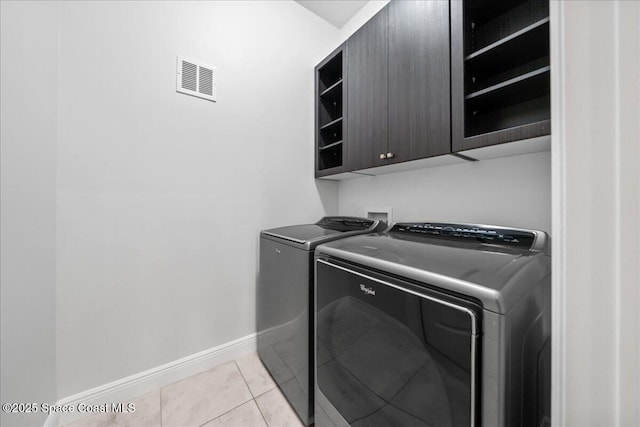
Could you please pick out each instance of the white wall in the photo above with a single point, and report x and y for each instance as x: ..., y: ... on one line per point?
x: 28, y: 207
x: 511, y: 191
x: 161, y: 195
x: 596, y: 198
x: 361, y: 17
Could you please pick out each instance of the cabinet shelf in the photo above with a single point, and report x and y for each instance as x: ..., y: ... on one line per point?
x: 519, y: 101
x: 483, y: 78
x: 531, y: 116
x: 330, y: 146
x: 331, y: 123
x: 330, y: 105
x: 330, y: 157
x: 519, y: 55
x: 491, y: 22
x: 510, y: 82
x: 330, y: 88
x: 526, y: 33
x: 330, y: 134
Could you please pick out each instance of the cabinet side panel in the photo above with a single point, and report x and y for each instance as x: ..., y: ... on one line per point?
x: 457, y: 77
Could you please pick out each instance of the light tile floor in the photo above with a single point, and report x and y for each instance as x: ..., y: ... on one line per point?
x: 240, y: 393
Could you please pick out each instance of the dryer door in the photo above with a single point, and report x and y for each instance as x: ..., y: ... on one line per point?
x: 392, y: 353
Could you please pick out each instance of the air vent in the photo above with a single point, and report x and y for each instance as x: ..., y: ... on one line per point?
x: 195, y: 78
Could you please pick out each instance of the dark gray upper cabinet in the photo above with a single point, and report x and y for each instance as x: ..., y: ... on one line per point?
x: 367, y: 93
x: 419, y: 108
x: 428, y: 78
x: 500, y: 85
x: 398, y: 93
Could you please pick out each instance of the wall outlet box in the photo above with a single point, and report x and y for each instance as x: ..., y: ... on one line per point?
x: 381, y: 214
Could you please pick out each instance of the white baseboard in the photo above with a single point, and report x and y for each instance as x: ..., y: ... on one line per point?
x: 144, y: 382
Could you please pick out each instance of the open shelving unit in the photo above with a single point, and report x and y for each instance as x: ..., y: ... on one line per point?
x: 330, y: 113
x: 505, y: 71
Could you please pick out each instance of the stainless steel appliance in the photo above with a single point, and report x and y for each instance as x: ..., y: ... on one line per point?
x: 285, y: 297
x: 434, y: 324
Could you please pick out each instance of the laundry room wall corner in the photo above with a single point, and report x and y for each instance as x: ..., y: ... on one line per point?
x: 161, y: 195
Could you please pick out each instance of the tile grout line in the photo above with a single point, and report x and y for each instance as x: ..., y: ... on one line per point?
x: 261, y: 414
x: 251, y: 392
x: 237, y: 406
x: 244, y: 379
x: 223, y: 414
x: 275, y: 384
x: 160, y: 397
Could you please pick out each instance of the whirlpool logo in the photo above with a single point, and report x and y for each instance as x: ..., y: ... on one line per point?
x: 367, y: 291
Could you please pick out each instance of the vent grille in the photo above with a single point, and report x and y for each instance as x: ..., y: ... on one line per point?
x: 194, y: 78
x: 206, y: 81
x: 189, y: 76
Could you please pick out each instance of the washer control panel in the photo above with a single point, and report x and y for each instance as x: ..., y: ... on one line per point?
x: 468, y: 232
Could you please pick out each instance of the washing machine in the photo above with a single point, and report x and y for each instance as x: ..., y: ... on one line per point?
x: 434, y: 324
x: 285, y: 298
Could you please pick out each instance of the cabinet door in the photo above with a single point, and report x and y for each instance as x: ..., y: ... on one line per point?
x: 419, y: 79
x: 367, y: 93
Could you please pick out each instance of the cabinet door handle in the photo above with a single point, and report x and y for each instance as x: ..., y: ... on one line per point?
x: 383, y: 156
x: 390, y: 155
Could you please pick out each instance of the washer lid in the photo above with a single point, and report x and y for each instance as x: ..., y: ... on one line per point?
x: 325, y: 230
x: 498, y: 275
